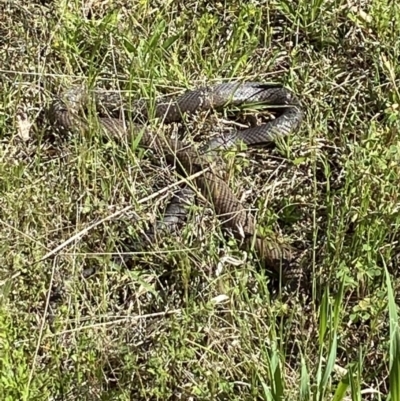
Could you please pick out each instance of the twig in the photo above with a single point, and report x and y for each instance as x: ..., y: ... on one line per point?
x: 83, y: 232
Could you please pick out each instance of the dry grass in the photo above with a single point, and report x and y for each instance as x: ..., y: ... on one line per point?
x: 195, y: 316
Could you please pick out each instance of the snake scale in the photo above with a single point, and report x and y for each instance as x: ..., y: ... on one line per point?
x: 64, y: 114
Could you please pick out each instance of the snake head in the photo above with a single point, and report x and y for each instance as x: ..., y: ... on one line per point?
x: 75, y: 97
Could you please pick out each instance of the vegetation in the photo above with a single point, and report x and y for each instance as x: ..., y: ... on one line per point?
x: 195, y: 317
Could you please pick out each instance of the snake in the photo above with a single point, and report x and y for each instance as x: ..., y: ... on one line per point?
x: 65, y: 114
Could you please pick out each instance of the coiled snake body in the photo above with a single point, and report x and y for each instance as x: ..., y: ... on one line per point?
x: 64, y: 114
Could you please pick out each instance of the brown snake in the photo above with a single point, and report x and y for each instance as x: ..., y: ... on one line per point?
x: 64, y: 114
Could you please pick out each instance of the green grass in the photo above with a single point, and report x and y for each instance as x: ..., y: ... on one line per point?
x: 171, y: 327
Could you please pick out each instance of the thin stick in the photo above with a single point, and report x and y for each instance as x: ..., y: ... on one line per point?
x: 83, y: 232
x: 41, y: 330
x: 114, y: 322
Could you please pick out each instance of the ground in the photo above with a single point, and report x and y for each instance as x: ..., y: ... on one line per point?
x: 196, y: 317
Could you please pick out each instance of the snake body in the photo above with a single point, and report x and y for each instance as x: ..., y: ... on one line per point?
x: 212, y: 183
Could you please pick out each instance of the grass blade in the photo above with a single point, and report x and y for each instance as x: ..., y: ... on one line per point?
x: 394, y: 361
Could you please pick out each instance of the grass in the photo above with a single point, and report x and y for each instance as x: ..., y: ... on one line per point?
x: 195, y: 317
